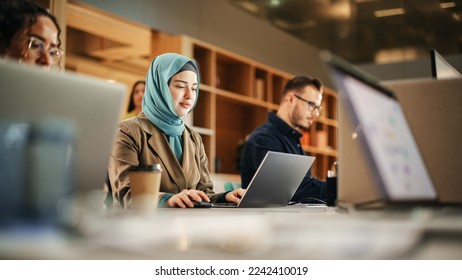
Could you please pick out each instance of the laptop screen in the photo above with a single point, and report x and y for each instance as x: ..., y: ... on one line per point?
x: 382, y: 129
x: 276, y: 180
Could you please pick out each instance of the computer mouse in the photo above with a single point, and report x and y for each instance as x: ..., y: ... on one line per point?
x: 202, y: 204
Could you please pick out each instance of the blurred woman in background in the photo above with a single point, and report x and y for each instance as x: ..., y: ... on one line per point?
x: 136, y: 99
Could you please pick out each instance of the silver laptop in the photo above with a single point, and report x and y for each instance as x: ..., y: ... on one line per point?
x: 384, y: 136
x: 275, y: 181
x: 31, y: 94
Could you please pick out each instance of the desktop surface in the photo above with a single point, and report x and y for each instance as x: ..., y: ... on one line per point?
x: 269, y: 233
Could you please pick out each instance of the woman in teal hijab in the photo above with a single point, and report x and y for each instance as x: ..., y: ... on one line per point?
x: 159, y: 135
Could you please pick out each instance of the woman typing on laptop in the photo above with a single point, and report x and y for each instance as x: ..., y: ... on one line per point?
x: 29, y: 34
x: 159, y: 135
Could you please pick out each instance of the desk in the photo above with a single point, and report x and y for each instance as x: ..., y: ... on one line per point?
x: 270, y: 233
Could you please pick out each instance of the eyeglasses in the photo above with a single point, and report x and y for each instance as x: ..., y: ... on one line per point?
x: 310, y: 104
x: 37, y: 48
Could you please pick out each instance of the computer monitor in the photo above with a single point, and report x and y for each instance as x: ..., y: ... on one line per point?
x: 432, y: 108
x: 385, y: 140
x: 441, y: 68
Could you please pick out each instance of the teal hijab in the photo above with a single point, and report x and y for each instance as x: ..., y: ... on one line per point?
x: 157, y: 100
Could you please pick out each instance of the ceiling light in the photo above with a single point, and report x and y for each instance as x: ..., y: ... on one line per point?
x: 396, y: 55
x: 248, y: 6
x: 341, y: 10
x: 275, y: 3
x: 456, y: 17
x: 389, y: 12
x: 294, y: 26
x: 447, y: 5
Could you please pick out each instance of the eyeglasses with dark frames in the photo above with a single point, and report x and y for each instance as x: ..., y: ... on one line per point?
x: 310, y: 104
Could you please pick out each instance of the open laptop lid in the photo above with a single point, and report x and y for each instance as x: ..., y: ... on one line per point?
x: 276, y: 180
x: 385, y: 136
x: 94, y: 105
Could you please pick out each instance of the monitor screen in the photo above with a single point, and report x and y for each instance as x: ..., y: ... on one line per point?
x: 441, y: 68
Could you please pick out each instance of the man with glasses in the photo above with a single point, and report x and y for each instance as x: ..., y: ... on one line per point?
x: 299, y: 108
x: 29, y: 34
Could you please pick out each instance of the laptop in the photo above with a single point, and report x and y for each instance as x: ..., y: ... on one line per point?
x: 386, y: 144
x: 275, y: 181
x: 92, y: 105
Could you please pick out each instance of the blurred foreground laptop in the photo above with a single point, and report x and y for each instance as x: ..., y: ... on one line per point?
x: 379, y: 160
x: 93, y: 106
x: 275, y: 181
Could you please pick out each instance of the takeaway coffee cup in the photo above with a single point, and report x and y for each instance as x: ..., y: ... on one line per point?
x: 145, y: 185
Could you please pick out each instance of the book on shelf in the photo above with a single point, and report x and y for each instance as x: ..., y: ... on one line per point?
x: 321, y: 139
x: 259, y: 90
x: 306, y: 139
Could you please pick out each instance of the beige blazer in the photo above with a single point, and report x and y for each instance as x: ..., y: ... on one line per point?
x: 139, y: 142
